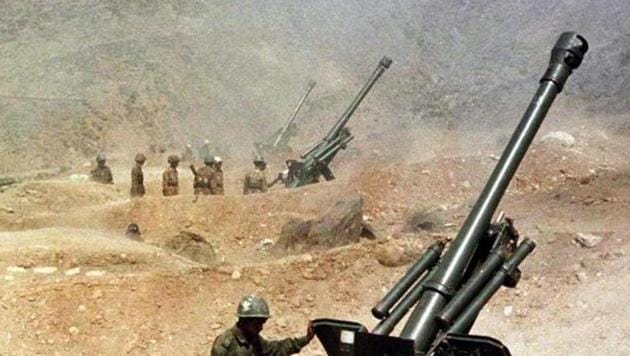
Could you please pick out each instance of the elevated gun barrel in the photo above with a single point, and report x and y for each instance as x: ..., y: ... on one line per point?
x: 343, y: 120
x: 291, y: 118
x: 422, y: 327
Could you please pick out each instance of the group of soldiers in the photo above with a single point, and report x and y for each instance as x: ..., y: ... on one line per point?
x: 208, y: 179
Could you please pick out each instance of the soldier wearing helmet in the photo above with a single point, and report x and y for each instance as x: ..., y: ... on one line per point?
x: 256, y: 180
x: 137, y: 177
x: 218, y: 176
x: 102, y: 173
x: 204, y: 182
x: 170, y: 182
x: 243, y: 339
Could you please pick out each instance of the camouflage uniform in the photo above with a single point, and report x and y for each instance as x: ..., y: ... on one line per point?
x: 255, y: 182
x: 233, y: 343
x: 204, y: 180
x: 170, y: 183
x: 137, y: 181
x: 218, y: 178
x: 102, y: 174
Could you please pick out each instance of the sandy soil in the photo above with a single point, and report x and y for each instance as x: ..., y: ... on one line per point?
x: 73, y: 284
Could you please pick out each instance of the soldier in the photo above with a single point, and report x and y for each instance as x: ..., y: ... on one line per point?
x: 188, y: 155
x: 255, y: 180
x: 170, y: 183
x: 102, y: 173
x: 243, y: 339
x: 218, y: 176
x: 137, y: 177
x: 133, y: 232
x: 204, y: 183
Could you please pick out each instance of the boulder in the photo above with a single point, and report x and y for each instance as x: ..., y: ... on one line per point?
x: 192, y: 246
x: 341, y: 225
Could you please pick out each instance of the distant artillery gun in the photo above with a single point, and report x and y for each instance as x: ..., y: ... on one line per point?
x: 315, y: 162
x: 279, y: 141
x: 447, y: 291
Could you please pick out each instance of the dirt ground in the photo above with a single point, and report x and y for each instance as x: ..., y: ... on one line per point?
x: 72, y: 283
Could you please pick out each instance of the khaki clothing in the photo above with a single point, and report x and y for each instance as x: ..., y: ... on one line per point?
x: 255, y: 182
x: 203, y: 183
x: 170, y: 182
x: 218, y: 178
x: 102, y: 174
x: 233, y: 343
x: 137, y: 181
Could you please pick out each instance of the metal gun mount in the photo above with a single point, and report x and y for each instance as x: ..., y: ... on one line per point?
x: 447, y: 291
x: 314, y: 163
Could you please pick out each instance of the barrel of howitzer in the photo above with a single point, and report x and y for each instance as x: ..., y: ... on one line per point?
x: 566, y: 56
x: 428, y: 260
x: 325, y: 156
x: 311, y: 85
x: 343, y: 120
x: 467, y: 317
x: 385, y: 326
x: 470, y: 289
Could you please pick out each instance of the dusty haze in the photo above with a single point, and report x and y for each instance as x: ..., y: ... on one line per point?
x: 78, y: 77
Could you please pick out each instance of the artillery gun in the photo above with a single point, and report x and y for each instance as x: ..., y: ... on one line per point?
x: 279, y: 141
x: 315, y: 162
x: 448, y: 290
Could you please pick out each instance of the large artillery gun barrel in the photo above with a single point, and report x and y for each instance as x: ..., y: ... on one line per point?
x: 343, y: 120
x: 422, y: 327
x: 292, y: 117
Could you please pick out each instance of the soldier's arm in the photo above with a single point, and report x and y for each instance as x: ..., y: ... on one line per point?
x: 109, y: 178
x: 288, y: 346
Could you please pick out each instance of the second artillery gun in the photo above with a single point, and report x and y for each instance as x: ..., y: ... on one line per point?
x: 279, y: 141
x: 315, y: 162
x: 448, y: 290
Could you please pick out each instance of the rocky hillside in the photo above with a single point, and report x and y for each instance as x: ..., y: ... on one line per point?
x: 77, y: 77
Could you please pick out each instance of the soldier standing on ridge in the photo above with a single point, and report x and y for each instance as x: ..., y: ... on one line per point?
x: 137, y: 177
x: 204, y: 177
x: 170, y: 182
x: 243, y: 339
x: 255, y: 180
x: 102, y: 173
x: 218, y: 176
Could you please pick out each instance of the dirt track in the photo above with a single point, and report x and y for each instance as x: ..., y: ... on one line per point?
x: 104, y: 294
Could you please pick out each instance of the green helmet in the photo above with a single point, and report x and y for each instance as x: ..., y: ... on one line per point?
x: 208, y: 160
x: 259, y: 159
x: 173, y: 159
x: 140, y: 158
x: 101, y: 157
x: 252, y: 306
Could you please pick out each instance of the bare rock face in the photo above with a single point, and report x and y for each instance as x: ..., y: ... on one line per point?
x: 192, y: 246
x: 341, y: 225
